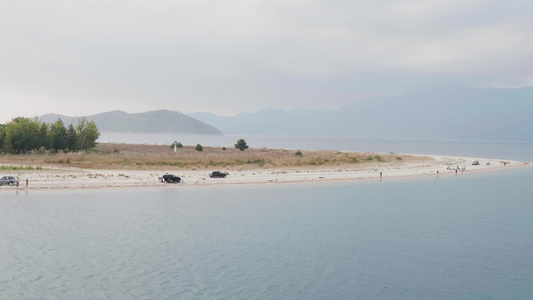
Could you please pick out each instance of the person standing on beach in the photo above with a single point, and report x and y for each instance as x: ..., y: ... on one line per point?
x: 380, y: 174
x: 26, y: 182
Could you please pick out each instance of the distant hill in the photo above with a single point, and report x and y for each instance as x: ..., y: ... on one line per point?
x: 450, y: 112
x: 160, y: 121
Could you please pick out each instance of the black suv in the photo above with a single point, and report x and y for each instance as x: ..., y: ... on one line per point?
x: 216, y: 174
x: 169, y: 178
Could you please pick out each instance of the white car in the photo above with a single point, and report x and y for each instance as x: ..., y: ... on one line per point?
x: 9, y: 180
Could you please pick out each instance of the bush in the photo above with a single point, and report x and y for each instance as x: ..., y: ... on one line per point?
x: 298, y: 153
x: 177, y: 144
x: 199, y: 148
x: 241, y: 145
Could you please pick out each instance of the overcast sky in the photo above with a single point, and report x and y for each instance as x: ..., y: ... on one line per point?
x: 79, y: 58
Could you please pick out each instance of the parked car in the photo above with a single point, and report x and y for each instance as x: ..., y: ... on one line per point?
x: 169, y: 178
x: 216, y: 174
x: 475, y: 163
x: 8, y: 180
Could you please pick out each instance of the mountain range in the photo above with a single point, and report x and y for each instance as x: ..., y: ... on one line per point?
x: 450, y: 112
x: 159, y: 121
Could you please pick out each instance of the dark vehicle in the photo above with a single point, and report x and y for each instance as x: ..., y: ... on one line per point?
x: 475, y: 163
x: 9, y: 180
x: 216, y: 174
x: 169, y: 178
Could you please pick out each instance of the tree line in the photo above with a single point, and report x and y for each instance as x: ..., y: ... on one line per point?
x: 22, y: 135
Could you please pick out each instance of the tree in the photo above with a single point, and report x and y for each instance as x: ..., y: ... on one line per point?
x: 199, y: 148
x: 2, y: 137
x: 21, y: 134
x: 177, y: 144
x: 87, y: 134
x: 44, y: 141
x: 72, y: 139
x: 58, y: 136
x: 241, y: 145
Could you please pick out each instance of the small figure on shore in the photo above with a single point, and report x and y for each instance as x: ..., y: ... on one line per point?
x: 437, y: 173
x: 26, y: 182
x: 455, y: 172
x: 380, y: 174
x: 17, y: 182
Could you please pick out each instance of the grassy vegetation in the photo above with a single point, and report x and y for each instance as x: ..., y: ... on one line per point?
x: 18, y: 168
x: 161, y: 157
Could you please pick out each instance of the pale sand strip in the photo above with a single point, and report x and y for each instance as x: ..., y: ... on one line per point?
x: 75, y: 178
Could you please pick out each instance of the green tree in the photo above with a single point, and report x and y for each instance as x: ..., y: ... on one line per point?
x: 241, y: 145
x: 8, y: 144
x: 58, y: 136
x: 87, y: 134
x: 44, y: 140
x: 199, y: 148
x: 2, y: 136
x: 72, y: 138
x: 21, y: 135
x: 177, y: 144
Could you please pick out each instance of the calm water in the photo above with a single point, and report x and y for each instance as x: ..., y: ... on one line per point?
x: 464, y: 237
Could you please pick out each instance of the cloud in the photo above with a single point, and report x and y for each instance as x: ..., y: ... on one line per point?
x: 78, y: 57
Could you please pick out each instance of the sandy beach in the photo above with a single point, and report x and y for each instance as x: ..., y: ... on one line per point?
x: 62, y: 178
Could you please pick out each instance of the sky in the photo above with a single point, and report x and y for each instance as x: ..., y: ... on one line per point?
x: 78, y: 57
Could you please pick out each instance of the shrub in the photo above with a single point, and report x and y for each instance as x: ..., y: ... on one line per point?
x: 298, y: 153
x: 177, y: 144
x: 241, y: 145
x: 199, y: 148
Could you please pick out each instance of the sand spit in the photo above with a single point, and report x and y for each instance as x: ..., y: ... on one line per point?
x: 79, y: 178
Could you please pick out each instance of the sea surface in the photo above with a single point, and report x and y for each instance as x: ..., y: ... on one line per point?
x: 455, y: 237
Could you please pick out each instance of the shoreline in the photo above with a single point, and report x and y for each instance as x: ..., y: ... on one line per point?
x: 68, y: 178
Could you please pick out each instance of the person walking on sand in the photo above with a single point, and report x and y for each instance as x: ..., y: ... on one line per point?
x: 26, y: 182
x: 380, y: 174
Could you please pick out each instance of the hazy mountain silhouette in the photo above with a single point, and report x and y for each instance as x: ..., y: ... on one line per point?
x: 451, y: 112
x: 162, y: 121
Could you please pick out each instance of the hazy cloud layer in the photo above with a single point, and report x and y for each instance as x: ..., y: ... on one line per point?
x: 85, y: 57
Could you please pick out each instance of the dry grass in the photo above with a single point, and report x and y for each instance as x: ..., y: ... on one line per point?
x: 160, y: 157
